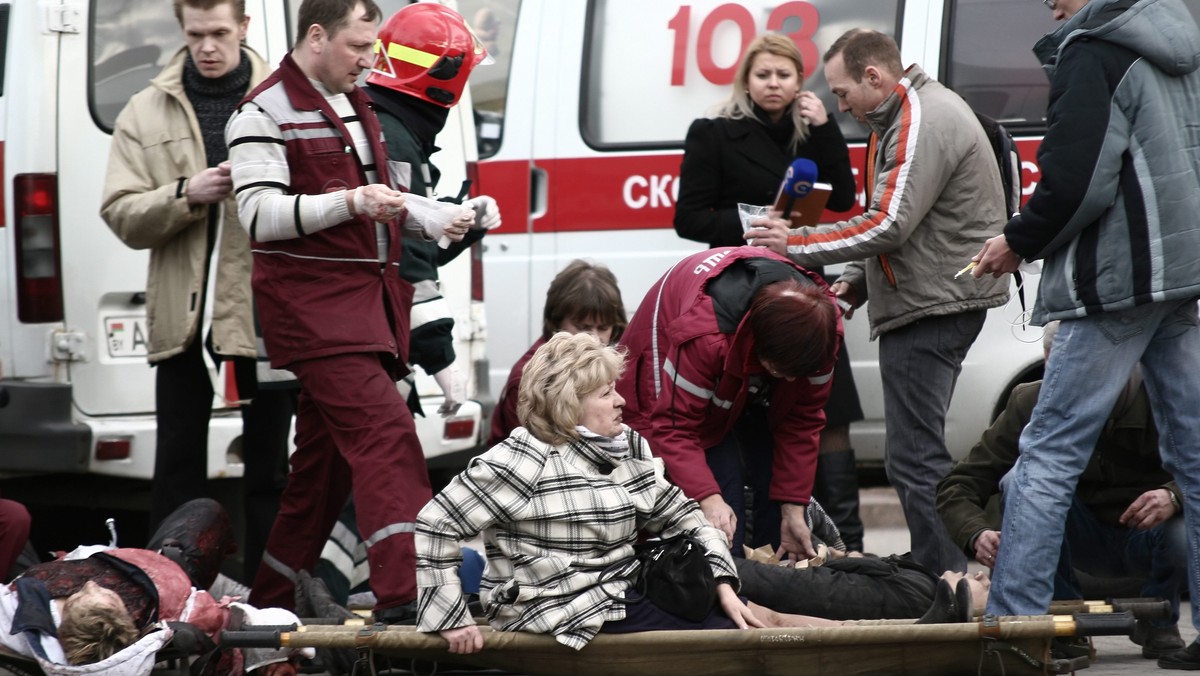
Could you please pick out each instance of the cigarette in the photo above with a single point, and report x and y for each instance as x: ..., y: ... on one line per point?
x: 965, y: 270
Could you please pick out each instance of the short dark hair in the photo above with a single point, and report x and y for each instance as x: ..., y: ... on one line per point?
x: 794, y: 327
x: 332, y: 15
x: 862, y: 47
x: 239, y: 7
x: 581, y: 291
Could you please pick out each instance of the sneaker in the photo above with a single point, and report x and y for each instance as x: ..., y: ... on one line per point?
x: 1187, y: 659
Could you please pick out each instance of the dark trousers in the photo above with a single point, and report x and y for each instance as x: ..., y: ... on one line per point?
x: 919, y: 364
x: 864, y: 588
x: 183, y: 399
x: 743, y: 459
x: 1158, y: 554
x: 354, y: 432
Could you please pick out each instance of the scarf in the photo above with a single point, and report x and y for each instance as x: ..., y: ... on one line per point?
x: 214, y: 100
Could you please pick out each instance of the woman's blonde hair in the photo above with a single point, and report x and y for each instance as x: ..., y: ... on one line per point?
x: 739, y: 105
x: 557, y: 378
x: 93, y: 632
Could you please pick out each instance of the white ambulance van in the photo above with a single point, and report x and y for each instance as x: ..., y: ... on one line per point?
x: 582, y: 121
x: 79, y: 392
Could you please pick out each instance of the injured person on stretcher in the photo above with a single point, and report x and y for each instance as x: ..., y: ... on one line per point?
x: 104, y: 610
x: 560, y: 505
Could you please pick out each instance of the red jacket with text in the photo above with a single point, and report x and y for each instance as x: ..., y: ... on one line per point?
x: 692, y: 362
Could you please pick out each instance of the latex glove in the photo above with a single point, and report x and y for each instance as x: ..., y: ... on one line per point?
x: 261, y: 657
x: 442, y: 222
x: 454, y: 389
x: 378, y: 202
x: 487, y: 212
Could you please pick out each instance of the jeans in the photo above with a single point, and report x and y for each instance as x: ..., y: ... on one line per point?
x: 919, y: 364
x: 1158, y: 554
x: 1088, y: 366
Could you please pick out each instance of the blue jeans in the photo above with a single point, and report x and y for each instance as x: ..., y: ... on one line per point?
x: 1089, y: 364
x: 919, y: 364
x: 1158, y: 554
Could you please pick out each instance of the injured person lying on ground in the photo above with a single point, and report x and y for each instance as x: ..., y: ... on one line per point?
x: 560, y: 505
x: 103, y: 610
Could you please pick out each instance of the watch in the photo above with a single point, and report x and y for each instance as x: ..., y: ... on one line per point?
x: 1174, y: 500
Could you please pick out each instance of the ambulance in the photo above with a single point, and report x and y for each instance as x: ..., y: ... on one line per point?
x: 77, y: 394
x: 583, y: 116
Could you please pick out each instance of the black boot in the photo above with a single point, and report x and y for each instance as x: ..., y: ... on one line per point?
x: 944, y: 608
x: 836, y: 488
x: 949, y: 604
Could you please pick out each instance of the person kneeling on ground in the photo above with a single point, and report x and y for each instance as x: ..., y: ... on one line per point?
x: 1125, y: 519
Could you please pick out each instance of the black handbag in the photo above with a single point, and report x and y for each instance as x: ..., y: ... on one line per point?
x: 675, y: 575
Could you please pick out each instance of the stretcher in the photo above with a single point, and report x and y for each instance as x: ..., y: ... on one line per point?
x: 991, y: 645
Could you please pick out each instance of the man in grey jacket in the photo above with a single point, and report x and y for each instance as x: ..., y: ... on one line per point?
x: 933, y: 196
x: 1114, y: 219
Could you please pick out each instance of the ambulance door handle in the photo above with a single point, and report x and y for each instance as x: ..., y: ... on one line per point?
x: 538, y: 192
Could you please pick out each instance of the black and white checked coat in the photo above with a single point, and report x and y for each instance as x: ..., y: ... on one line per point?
x: 552, y: 518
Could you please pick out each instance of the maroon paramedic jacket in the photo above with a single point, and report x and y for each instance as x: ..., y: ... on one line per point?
x: 326, y: 293
x: 703, y: 377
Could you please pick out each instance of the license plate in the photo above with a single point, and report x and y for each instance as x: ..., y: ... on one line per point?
x: 126, y: 336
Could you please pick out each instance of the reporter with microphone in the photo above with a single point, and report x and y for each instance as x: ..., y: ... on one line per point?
x: 741, y: 154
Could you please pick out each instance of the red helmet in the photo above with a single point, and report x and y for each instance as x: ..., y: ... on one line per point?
x: 426, y: 50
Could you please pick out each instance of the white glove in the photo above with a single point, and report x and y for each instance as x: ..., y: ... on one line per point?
x: 378, y: 202
x: 487, y: 212
x: 454, y: 389
x: 441, y: 221
x: 260, y: 657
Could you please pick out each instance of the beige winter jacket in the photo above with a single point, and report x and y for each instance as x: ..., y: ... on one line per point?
x: 936, y: 199
x: 157, y: 142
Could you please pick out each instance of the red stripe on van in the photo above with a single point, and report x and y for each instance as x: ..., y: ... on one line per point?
x: 627, y: 192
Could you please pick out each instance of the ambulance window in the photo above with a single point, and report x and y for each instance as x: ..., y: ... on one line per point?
x: 647, y: 78
x: 989, y: 58
x: 132, y: 40
x: 495, y: 23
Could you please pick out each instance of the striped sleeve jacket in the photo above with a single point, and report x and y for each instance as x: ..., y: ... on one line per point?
x: 321, y: 291
x: 936, y: 197
x: 553, y: 518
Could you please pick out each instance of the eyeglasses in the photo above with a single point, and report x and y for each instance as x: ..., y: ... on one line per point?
x: 1052, y: 4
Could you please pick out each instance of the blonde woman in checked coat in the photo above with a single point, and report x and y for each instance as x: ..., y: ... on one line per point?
x: 559, y: 501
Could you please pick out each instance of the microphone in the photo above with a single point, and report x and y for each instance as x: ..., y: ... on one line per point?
x: 797, y: 183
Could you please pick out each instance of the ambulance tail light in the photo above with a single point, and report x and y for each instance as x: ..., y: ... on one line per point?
x: 113, y: 448
x: 39, y: 267
x: 459, y: 428
x: 477, y: 247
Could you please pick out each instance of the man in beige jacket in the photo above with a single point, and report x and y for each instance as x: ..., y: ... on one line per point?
x: 168, y: 190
